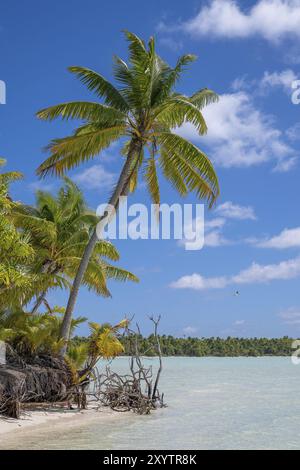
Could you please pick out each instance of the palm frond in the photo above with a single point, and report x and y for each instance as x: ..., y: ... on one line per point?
x: 174, y: 112
x: 69, y: 152
x: 194, y: 166
x: 151, y: 179
x: 85, y: 110
x: 103, y: 88
x: 203, y: 98
x: 118, y: 274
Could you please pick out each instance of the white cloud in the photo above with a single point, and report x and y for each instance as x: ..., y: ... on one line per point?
x: 272, y: 20
x: 214, y: 227
x: 283, y: 79
x: 217, y: 222
x: 293, y: 133
x: 198, y: 282
x: 288, y: 238
x: 242, y: 83
x: 234, y: 211
x: 171, y: 43
x: 96, y: 177
x: 215, y: 238
x: 239, y: 322
x: 291, y: 316
x: 255, y: 274
x: 269, y: 81
x: 239, y: 135
x: 190, y: 330
x: 285, y: 165
x: 258, y: 273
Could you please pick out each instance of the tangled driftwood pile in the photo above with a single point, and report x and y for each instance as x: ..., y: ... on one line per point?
x: 138, y: 390
x: 131, y: 392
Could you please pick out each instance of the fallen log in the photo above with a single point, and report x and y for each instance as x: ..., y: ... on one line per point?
x: 31, y: 406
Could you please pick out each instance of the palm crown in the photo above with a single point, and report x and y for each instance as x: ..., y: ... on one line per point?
x: 144, y: 109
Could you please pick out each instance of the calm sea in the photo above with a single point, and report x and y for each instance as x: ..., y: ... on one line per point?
x: 213, y: 403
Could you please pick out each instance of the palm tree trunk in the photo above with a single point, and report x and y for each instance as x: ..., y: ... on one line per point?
x: 39, y: 300
x: 135, y: 148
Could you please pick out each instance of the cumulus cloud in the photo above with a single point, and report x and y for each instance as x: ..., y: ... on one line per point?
x: 268, y: 82
x: 197, y: 282
x: 96, y: 177
x: 217, y: 222
x: 288, y: 238
x: 273, y: 20
x: 234, y: 211
x: 255, y: 274
x: 285, y: 165
x: 215, y: 238
x: 239, y: 135
x: 214, y: 228
x: 283, y: 79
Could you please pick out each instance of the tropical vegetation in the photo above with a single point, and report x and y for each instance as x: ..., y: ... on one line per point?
x: 41, y: 247
x: 200, y: 347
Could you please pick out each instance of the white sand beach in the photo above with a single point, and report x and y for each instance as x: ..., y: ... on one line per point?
x: 14, y: 429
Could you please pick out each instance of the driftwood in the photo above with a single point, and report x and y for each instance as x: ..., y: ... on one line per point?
x: 44, y: 380
x: 136, y: 391
x: 44, y: 406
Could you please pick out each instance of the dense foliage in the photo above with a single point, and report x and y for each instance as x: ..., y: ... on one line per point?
x: 220, y: 347
x: 40, y: 250
x: 31, y: 335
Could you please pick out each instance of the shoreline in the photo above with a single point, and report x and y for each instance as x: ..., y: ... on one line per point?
x: 12, y: 429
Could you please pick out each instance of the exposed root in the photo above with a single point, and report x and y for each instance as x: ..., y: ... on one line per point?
x: 137, y: 391
x: 41, y: 379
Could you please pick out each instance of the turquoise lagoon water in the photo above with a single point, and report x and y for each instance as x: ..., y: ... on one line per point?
x: 213, y: 403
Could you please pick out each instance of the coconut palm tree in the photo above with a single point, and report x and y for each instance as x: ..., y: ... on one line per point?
x: 59, y: 228
x: 144, y: 109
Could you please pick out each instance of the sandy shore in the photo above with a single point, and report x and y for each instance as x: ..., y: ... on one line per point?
x: 14, y: 429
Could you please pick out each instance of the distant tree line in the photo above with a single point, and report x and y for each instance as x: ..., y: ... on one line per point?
x: 200, y: 347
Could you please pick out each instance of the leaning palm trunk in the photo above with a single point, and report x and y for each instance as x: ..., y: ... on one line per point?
x: 121, y: 189
x: 38, y: 302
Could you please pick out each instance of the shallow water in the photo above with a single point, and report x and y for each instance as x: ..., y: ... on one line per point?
x: 213, y: 403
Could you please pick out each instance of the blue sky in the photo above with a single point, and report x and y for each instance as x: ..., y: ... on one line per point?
x: 249, y: 53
